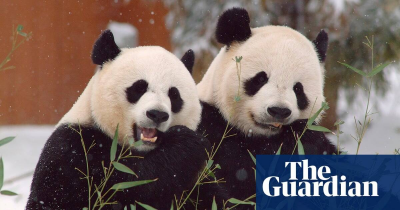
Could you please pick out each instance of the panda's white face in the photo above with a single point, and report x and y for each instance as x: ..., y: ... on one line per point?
x: 144, y: 90
x: 281, y: 79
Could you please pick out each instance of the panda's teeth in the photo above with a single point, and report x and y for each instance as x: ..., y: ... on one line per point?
x: 277, y: 125
x: 154, y: 139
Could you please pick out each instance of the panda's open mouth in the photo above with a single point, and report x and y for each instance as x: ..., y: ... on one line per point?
x: 271, y: 126
x: 145, y: 134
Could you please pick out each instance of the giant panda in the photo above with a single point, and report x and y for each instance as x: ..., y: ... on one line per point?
x: 149, y: 95
x: 281, y: 78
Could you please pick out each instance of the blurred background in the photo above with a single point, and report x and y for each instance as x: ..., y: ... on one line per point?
x: 53, y: 66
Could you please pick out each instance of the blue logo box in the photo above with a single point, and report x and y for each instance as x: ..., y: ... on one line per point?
x: 328, y: 182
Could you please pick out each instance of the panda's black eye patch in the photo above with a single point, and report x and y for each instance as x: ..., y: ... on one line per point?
x: 302, y: 100
x: 137, y: 90
x: 176, y: 100
x: 254, y: 84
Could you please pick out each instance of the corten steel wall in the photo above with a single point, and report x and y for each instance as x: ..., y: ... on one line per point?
x: 53, y: 68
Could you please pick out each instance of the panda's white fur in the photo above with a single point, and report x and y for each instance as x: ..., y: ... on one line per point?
x: 104, y: 102
x: 286, y: 56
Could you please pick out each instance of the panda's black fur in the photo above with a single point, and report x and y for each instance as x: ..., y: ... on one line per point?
x: 57, y: 184
x: 233, y: 154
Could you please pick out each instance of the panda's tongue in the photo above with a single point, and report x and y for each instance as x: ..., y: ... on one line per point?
x: 149, y: 132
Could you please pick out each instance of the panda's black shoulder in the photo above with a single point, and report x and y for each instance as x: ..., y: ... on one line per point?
x: 212, y: 122
x: 66, y: 141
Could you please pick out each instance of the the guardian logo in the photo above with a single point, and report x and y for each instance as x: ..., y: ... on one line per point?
x: 316, y: 182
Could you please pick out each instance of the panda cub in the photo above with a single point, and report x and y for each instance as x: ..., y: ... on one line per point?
x: 149, y: 95
x: 282, y: 76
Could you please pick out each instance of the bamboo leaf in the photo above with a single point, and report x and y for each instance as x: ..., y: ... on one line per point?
x: 85, y: 208
x: 145, y: 206
x: 339, y: 122
x: 1, y: 173
x: 252, y: 157
x: 279, y: 150
x: 378, y: 69
x: 20, y: 27
x: 22, y: 33
x: 133, y: 207
x: 126, y: 208
x: 209, y: 164
x: 138, y: 143
x: 300, y: 148
x: 172, y: 206
x: 324, y: 106
x: 214, y: 205
x: 319, y: 128
x: 6, y: 140
x: 7, y: 68
x: 236, y: 201
x: 7, y: 192
x: 114, y: 145
x: 126, y: 185
x: 121, y: 167
x: 131, y: 141
x: 358, y: 71
x: 218, y: 166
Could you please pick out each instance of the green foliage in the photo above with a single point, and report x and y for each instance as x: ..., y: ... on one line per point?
x: 397, y: 151
x: 1, y: 173
x: 279, y: 150
x: 358, y: 71
x: 252, y: 157
x: 324, y: 106
x: 126, y: 185
x: 377, y: 69
x: 239, y: 72
x: 114, y: 145
x: 7, y: 192
x: 300, y: 148
x: 145, y: 206
x: 121, y: 167
x: 361, y: 127
x: 4, y: 192
x: 236, y: 201
x: 6, y: 140
x: 214, y: 205
x: 319, y: 128
x: 15, y: 44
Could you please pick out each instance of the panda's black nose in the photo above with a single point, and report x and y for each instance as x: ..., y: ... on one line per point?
x: 279, y: 113
x: 157, y: 116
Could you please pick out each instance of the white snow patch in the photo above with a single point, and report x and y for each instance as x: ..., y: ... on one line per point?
x: 20, y: 158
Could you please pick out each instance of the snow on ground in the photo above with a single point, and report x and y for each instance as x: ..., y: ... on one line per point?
x: 20, y: 157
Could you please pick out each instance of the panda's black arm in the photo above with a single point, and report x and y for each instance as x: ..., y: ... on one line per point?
x: 175, y: 163
x: 55, y: 183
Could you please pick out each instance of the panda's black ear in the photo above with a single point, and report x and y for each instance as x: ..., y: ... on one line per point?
x: 321, y: 45
x: 104, y: 48
x: 188, y: 60
x: 233, y: 25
